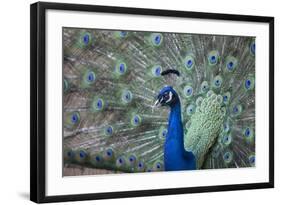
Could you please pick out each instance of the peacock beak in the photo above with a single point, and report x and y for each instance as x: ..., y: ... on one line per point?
x: 158, y: 102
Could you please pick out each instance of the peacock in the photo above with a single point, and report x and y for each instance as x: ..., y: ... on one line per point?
x: 140, y: 101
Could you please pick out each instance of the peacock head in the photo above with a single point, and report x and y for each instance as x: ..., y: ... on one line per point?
x: 167, y: 97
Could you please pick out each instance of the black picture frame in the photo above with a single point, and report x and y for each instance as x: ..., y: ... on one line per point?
x: 38, y: 100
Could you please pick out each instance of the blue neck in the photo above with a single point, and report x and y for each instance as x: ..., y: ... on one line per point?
x: 175, y: 156
x: 175, y: 124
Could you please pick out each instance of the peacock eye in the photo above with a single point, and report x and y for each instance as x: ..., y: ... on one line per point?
x: 136, y: 120
x: 231, y: 63
x: 236, y: 110
x: 217, y: 81
x: 132, y: 159
x: 252, y: 160
x: 158, y: 165
x: 108, y: 154
x: 120, y: 68
x: 189, y: 62
x: 123, y: 34
x: 188, y: 91
x: 248, y: 134
x: 75, y: 117
x: 227, y: 157
x: 204, y: 87
x: 164, y: 133
x: 190, y: 109
x: 82, y: 154
x: 226, y: 98
x: 213, y: 58
x: 226, y: 127
x: 91, y: 77
x: 120, y: 161
x: 65, y: 85
x: 227, y: 139
x: 98, y: 159
x: 156, y: 71
x: 249, y: 83
x: 70, y: 154
x: 253, y: 48
x: 108, y: 130
x: 86, y: 39
x: 126, y: 96
x: 156, y: 39
x: 140, y: 165
x: 99, y: 104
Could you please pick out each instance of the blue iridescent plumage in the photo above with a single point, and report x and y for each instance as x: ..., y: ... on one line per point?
x: 175, y: 155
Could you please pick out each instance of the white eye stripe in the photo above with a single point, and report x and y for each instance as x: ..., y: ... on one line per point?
x: 170, y: 97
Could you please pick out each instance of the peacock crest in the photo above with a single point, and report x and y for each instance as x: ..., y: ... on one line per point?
x: 112, y: 79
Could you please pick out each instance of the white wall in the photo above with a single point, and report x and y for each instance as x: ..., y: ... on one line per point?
x: 14, y: 100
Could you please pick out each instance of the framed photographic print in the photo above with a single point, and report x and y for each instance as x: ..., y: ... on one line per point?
x: 129, y: 102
